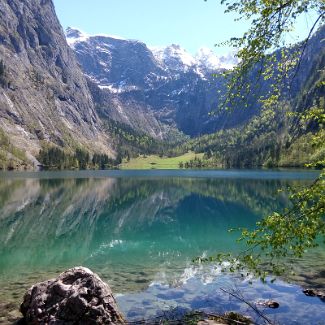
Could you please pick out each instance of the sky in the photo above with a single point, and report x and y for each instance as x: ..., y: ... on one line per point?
x: 192, y: 24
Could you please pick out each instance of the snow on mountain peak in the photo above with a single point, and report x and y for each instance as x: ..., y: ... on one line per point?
x: 176, y: 52
x: 73, y: 32
x: 176, y: 58
x: 172, y: 57
x: 74, y: 36
x: 208, y: 59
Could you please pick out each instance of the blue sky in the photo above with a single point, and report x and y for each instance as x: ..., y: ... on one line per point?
x: 189, y: 23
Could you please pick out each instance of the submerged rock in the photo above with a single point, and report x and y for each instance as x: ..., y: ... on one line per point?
x: 268, y: 303
x: 77, y: 296
x: 320, y: 293
x: 235, y: 318
x: 209, y: 322
x: 229, y: 318
x: 314, y: 292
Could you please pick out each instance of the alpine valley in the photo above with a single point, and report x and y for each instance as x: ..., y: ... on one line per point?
x: 240, y: 242
x: 71, y: 100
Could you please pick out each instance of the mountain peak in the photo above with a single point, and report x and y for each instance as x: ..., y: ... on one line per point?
x: 206, y: 58
x: 74, y: 35
x: 174, y: 57
x: 73, y: 32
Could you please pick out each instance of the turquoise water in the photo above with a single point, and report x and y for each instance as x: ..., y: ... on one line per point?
x: 140, y: 230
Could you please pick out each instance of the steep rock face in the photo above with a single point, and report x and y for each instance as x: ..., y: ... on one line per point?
x: 173, y: 88
x: 43, y: 93
x: 130, y: 110
x: 114, y: 61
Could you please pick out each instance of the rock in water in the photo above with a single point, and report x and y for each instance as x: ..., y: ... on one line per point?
x: 320, y: 293
x: 77, y: 296
x: 268, y: 303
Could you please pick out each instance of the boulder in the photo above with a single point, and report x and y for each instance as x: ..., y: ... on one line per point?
x: 77, y: 296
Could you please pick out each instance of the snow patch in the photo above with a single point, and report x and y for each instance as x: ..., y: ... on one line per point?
x: 206, y: 58
x: 173, y: 57
x: 109, y: 36
x: 118, y: 90
x: 75, y: 36
x: 176, y: 58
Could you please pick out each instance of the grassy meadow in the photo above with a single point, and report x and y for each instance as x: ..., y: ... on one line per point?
x: 156, y: 162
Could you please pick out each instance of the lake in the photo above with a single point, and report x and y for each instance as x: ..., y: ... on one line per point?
x: 140, y: 230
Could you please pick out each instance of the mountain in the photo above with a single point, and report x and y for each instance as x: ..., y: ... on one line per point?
x: 157, y: 90
x: 207, y: 60
x: 162, y: 89
x: 177, y: 89
x: 277, y: 136
x: 44, y: 96
x: 111, y: 96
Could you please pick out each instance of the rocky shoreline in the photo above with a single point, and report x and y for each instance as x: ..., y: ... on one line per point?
x: 79, y: 296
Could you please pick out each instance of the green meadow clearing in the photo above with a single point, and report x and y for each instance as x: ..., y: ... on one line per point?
x: 156, y: 162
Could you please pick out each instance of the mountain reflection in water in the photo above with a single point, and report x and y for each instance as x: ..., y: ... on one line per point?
x: 133, y: 231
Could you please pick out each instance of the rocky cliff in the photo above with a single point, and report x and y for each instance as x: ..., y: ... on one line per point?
x: 155, y: 89
x: 171, y: 86
x: 44, y: 97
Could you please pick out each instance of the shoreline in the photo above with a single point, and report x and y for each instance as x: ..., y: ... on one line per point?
x: 179, y: 312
